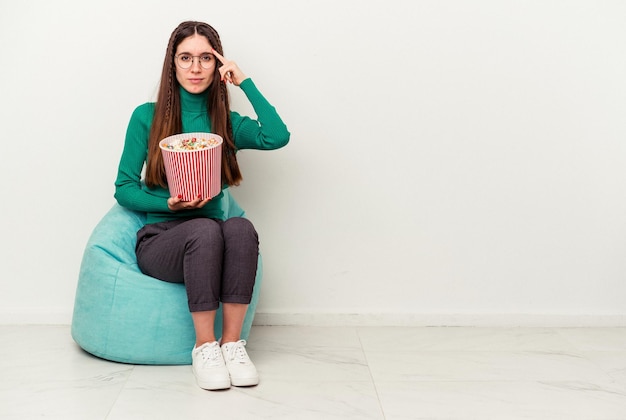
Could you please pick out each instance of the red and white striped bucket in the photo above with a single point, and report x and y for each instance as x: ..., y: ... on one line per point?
x: 193, y: 173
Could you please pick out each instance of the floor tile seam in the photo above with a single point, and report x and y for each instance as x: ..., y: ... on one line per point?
x: 121, y: 390
x: 559, y: 332
x: 371, y: 375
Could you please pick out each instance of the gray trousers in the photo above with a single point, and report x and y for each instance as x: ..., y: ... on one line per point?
x: 215, y: 259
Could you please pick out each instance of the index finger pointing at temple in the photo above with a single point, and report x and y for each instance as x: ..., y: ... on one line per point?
x: 219, y: 56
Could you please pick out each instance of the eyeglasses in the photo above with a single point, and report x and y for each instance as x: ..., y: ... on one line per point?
x: 185, y: 61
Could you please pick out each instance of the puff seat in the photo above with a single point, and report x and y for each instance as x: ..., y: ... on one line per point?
x: 123, y: 315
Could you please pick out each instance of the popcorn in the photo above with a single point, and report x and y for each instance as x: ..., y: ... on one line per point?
x: 192, y: 143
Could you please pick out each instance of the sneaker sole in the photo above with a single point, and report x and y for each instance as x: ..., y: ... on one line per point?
x: 223, y: 383
x: 244, y: 381
x: 214, y: 385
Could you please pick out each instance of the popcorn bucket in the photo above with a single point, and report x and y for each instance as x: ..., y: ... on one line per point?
x: 193, y: 165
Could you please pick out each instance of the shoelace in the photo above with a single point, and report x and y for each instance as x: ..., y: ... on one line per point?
x: 237, y: 352
x: 211, y: 354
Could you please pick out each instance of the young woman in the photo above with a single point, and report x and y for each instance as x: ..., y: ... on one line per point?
x: 190, y: 242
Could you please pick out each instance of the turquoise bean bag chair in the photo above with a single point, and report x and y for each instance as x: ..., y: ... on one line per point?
x: 120, y: 314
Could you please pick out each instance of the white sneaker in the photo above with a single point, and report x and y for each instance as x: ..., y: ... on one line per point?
x: 241, y: 369
x: 209, y: 368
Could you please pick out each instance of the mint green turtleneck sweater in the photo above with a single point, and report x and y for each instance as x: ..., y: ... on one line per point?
x: 268, y: 132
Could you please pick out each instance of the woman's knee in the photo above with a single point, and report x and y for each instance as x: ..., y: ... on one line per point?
x: 204, y: 230
x: 239, y: 228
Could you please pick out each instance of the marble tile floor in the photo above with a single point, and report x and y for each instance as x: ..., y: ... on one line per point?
x: 333, y: 373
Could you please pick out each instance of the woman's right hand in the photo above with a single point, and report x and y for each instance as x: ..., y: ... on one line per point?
x: 176, y: 204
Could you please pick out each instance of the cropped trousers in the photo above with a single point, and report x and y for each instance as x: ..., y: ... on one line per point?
x: 216, y: 260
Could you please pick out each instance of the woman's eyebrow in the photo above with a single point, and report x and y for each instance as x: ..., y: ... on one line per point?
x: 202, y: 53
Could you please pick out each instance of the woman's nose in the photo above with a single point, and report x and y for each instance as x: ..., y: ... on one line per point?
x: 195, y: 64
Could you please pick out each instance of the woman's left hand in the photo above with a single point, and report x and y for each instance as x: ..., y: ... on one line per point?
x: 229, y: 70
x: 176, y: 204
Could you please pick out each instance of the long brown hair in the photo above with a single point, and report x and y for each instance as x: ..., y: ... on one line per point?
x: 167, y: 114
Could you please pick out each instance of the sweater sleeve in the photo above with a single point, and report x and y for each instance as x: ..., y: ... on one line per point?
x: 268, y: 132
x: 130, y: 192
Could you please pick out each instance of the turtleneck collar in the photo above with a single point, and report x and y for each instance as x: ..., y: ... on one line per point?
x: 191, y: 102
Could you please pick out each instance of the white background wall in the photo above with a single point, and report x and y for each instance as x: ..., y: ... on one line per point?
x: 451, y: 162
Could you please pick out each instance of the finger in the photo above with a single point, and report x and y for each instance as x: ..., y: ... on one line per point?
x: 227, y: 75
x: 219, y: 56
x: 203, y: 203
x: 195, y: 201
